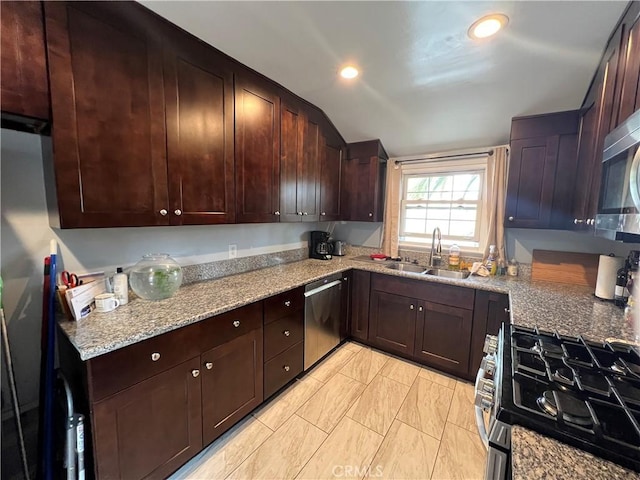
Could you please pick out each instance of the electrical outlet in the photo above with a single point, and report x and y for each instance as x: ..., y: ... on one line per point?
x: 233, y: 251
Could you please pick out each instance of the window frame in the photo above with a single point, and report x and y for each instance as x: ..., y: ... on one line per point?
x: 446, y: 167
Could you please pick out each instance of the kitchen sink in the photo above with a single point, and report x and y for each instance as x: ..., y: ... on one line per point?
x: 441, y: 272
x: 407, y: 267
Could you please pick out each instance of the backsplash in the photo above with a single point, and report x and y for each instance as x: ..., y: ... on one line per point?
x: 224, y: 268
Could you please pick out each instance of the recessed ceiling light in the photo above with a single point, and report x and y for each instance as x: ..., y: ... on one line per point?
x: 488, y: 26
x: 349, y: 72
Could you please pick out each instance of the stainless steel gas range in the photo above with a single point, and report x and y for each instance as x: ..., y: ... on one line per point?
x: 583, y: 393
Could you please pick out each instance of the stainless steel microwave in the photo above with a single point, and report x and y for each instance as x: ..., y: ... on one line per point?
x: 618, y: 215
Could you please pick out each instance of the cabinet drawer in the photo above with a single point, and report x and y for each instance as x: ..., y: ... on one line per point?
x: 283, y: 304
x: 283, y: 368
x: 461, y: 297
x: 227, y: 326
x: 123, y: 368
x: 282, y: 334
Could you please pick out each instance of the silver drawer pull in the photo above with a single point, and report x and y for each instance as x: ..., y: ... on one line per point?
x: 420, y: 309
x: 195, y: 373
x: 163, y: 212
x: 208, y: 365
x: 177, y: 212
x: 236, y: 323
x: 286, y: 333
x: 411, y: 307
x: 155, y: 356
x: 287, y: 303
x: 286, y: 368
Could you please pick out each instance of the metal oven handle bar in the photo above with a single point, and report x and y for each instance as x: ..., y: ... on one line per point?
x: 322, y: 288
x: 482, y: 429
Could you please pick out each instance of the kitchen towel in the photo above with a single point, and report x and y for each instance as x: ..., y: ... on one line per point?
x: 607, y: 271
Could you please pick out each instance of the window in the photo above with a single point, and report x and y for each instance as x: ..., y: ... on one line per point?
x: 448, y: 195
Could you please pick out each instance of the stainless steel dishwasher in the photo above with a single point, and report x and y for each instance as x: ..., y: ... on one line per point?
x: 321, y: 318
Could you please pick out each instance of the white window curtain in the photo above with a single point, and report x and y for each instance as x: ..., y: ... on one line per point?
x: 390, y: 227
x: 497, y: 166
x: 493, y: 211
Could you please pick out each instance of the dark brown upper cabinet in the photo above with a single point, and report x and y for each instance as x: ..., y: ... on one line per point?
x: 542, y: 169
x: 630, y: 67
x: 365, y: 176
x: 332, y: 158
x: 107, y: 101
x: 24, y: 86
x: 257, y: 137
x: 200, y: 137
x: 299, y: 164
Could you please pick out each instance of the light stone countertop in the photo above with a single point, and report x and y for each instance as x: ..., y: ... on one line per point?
x: 571, y: 310
x: 535, y: 456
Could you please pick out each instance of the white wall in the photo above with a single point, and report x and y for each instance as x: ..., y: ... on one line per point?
x: 25, y: 235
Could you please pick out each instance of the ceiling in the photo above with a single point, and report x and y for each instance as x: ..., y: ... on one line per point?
x: 424, y: 86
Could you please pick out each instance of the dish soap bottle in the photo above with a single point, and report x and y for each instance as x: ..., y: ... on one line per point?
x: 121, y: 286
x: 454, y: 257
x: 491, y: 263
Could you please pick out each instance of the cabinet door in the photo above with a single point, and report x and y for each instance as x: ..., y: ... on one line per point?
x: 345, y: 304
x: 105, y: 68
x: 24, y: 84
x: 392, y: 322
x: 365, y: 188
x: 330, y: 181
x: 199, y: 103
x: 443, y: 337
x: 530, y: 185
x: 152, y: 428
x: 291, y: 146
x: 231, y: 383
x: 490, y: 312
x: 631, y: 76
x: 257, y: 131
x: 587, y: 168
x: 360, y: 285
x: 309, y: 171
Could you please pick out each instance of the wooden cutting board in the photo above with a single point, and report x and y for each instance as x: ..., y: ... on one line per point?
x: 565, y: 267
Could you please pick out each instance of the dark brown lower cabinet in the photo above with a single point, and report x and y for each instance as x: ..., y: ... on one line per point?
x: 490, y: 312
x: 443, y: 337
x: 360, y: 287
x: 152, y: 428
x: 231, y: 383
x: 392, y: 322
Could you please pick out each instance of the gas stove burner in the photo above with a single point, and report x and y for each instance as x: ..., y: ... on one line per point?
x: 574, y: 411
x: 618, y: 367
x: 564, y: 374
x: 546, y: 347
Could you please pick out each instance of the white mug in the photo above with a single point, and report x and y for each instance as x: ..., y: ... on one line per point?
x: 106, y: 302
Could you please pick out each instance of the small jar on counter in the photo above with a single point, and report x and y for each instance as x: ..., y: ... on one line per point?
x: 512, y: 268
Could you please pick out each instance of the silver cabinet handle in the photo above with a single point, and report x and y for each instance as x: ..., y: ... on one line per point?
x: 577, y: 221
x: 300, y: 213
x: 506, y: 310
x: 287, y: 303
x: 195, y: 373
x: 163, y: 212
x: 345, y: 279
x: 155, y: 356
x: 323, y: 214
x: 305, y: 213
x: 178, y: 212
x: 411, y: 307
x: 286, y: 368
x: 276, y: 213
x: 286, y: 333
x: 208, y: 365
x: 236, y: 323
x: 510, y: 219
x: 591, y: 221
x: 370, y: 214
x: 420, y: 309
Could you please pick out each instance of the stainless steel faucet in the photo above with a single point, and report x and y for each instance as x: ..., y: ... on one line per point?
x: 435, y: 259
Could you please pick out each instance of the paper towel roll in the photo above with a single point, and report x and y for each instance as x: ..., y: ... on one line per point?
x: 607, y: 272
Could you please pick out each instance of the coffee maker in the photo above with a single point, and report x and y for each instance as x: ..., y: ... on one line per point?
x: 319, y: 246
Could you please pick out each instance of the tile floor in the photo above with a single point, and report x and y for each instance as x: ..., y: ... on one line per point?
x: 358, y: 414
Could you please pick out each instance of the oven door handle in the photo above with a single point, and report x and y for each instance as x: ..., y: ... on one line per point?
x: 482, y: 429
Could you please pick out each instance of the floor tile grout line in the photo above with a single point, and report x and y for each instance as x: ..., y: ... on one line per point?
x: 315, y: 451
